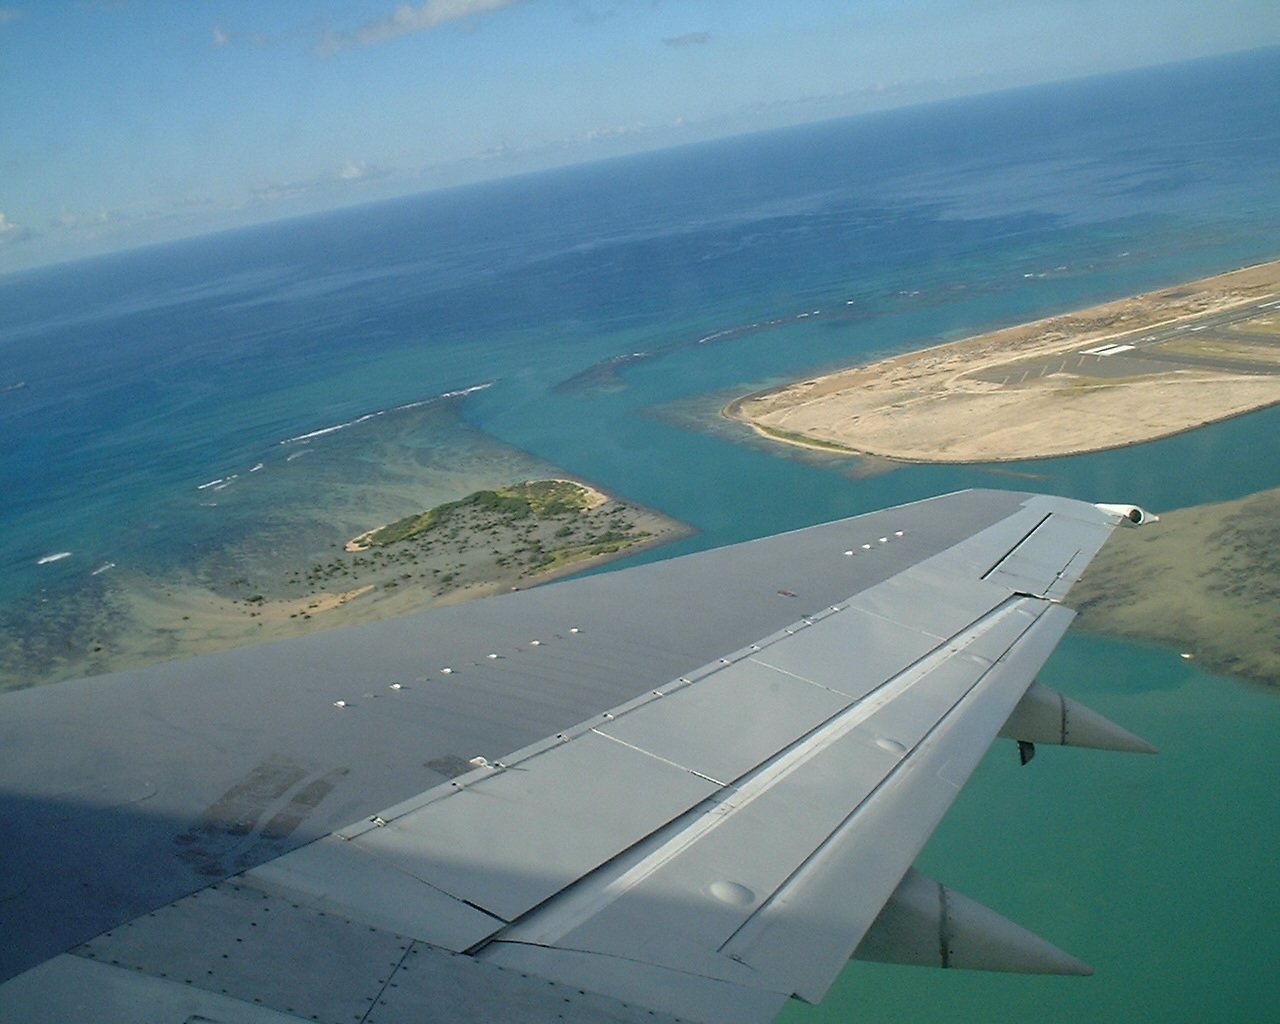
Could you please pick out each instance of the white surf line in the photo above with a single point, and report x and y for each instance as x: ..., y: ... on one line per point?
x: 459, y: 393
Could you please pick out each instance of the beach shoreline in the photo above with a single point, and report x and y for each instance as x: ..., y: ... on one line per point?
x: 1119, y: 373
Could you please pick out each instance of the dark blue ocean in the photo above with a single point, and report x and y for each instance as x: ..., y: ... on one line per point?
x: 592, y: 320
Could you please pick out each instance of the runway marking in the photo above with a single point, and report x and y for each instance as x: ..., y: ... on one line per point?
x: 1108, y: 350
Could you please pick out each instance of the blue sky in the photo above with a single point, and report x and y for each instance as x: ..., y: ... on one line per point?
x: 123, y: 123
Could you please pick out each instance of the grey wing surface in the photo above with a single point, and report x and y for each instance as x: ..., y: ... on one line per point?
x: 685, y: 790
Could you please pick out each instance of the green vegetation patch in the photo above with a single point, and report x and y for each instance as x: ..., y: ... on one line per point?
x: 538, y: 499
x: 609, y: 543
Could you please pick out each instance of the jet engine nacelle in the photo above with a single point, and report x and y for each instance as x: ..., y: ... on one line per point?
x: 1131, y: 515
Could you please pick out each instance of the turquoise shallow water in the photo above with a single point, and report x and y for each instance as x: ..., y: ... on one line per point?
x: 154, y: 373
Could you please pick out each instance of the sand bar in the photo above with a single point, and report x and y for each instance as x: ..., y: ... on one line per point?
x: 1120, y: 373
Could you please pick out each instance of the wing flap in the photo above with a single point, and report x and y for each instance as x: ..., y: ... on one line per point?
x: 812, y: 926
x: 509, y: 841
x: 856, y: 798
x: 338, y: 877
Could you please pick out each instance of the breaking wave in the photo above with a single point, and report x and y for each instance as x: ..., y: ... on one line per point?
x: 460, y: 393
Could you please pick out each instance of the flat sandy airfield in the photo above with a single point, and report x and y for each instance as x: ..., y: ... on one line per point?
x: 1121, y: 373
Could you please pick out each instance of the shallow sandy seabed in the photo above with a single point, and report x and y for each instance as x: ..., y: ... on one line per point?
x: 1203, y: 581
x: 137, y: 620
x: 930, y: 405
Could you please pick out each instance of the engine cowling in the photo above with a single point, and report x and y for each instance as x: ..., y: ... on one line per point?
x: 1131, y: 515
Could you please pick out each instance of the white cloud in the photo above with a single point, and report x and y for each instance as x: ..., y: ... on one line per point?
x: 71, y: 221
x: 11, y: 232
x: 222, y: 37
x: 406, y: 19
x: 351, y: 172
x: 8, y: 14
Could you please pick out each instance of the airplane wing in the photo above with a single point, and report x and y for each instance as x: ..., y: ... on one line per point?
x: 685, y: 790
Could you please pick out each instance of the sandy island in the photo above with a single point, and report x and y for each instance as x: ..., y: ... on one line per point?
x: 488, y: 542
x: 585, y: 497
x: 1063, y: 385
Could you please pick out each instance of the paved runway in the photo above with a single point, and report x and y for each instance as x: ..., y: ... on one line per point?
x: 1144, y: 351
